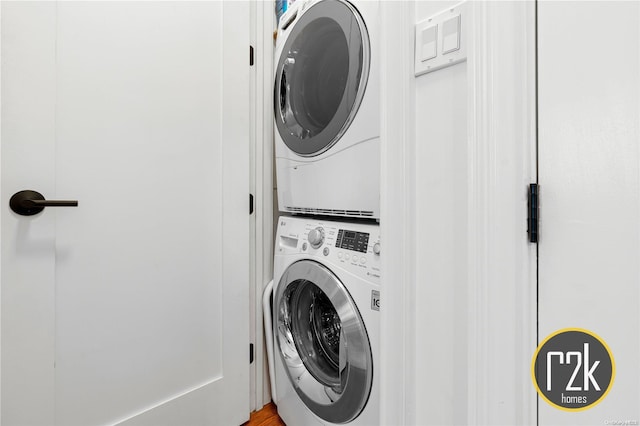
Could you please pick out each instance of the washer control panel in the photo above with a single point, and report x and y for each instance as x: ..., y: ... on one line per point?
x: 352, y: 240
x: 352, y: 246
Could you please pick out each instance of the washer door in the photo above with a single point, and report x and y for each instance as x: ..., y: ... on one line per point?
x: 321, y: 77
x: 323, y: 342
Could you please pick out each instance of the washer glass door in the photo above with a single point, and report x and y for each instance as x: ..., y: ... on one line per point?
x: 323, y: 342
x: 321, y: 76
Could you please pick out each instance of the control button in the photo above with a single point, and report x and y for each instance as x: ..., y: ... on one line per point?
x: 346, y: 256
x: 316, y: 237
x: 326, y: 251
x: 304, y: 246
x: 340, y: 255
x: 451, y: 35
x: 376, y: 248
x: 429, y: 43
x: 363, y: 260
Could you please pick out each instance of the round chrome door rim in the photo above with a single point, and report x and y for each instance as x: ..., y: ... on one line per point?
x: 356, y: 365
x: 366, y: 59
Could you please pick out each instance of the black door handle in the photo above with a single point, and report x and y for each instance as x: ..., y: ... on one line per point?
x: 28, y: 203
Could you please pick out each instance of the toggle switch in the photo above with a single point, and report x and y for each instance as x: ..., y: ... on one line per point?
x: 429, y: 43
x: 451, y: 35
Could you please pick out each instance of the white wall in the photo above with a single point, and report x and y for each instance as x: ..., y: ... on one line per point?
x: 475, y: 274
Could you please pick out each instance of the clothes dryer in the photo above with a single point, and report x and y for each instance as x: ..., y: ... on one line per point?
x: 326, y: 109
x: 326, y: 322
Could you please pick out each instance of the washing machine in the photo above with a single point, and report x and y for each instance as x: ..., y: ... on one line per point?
x: 326, y: 322
x: 327, y: 109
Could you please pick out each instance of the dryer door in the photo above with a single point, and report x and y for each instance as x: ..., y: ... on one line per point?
x: 321, y: 76
x: 323, y: 342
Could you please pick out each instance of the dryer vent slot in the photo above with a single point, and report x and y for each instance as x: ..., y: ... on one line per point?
x: 289, y: 21
x: 330, y: 212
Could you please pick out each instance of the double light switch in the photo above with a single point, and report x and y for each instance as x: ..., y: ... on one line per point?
x: 438, y: 40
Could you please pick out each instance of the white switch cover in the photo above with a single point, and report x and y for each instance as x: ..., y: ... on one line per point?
x: 440, y: 41
x: 429, y: 42
x: 451, y: 35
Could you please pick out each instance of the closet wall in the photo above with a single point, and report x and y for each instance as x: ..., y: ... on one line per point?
x: 441, y: 229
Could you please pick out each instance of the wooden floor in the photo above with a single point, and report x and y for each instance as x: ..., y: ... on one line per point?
x: 268, y: 416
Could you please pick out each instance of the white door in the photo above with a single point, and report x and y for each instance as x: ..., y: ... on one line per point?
x: 131, y: 308
x: 589, y: 153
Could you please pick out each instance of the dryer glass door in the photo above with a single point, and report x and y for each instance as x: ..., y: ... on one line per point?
x: 321, y: 77
x: 323, y: 342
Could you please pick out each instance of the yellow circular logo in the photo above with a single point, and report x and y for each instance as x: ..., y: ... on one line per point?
x: 573, y: 369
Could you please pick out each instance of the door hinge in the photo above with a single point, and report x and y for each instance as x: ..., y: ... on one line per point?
x: 250, y: 55
x: 533, y: 213
x: 250, y: 353
x: 250, y: 203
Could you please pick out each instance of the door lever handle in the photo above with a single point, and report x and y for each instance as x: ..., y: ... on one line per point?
x: 28, y: 203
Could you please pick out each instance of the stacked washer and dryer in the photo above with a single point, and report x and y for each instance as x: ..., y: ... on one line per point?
x: 323, y: 320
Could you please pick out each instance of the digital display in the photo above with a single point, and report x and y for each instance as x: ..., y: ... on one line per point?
x: 352, y: 240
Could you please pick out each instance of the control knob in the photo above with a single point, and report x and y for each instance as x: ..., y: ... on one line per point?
x: 316, y: 237
x: 376, y: 248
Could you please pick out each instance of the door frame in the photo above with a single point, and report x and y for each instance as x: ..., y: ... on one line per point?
x: 501, y: 264
x: 397, y: 214
x: 263, y: 187
x: 0, y: 198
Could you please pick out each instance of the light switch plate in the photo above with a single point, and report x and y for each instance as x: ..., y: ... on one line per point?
x: 450, y: 27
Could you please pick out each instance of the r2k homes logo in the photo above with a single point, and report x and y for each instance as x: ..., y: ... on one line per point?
x: 573, y: 369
